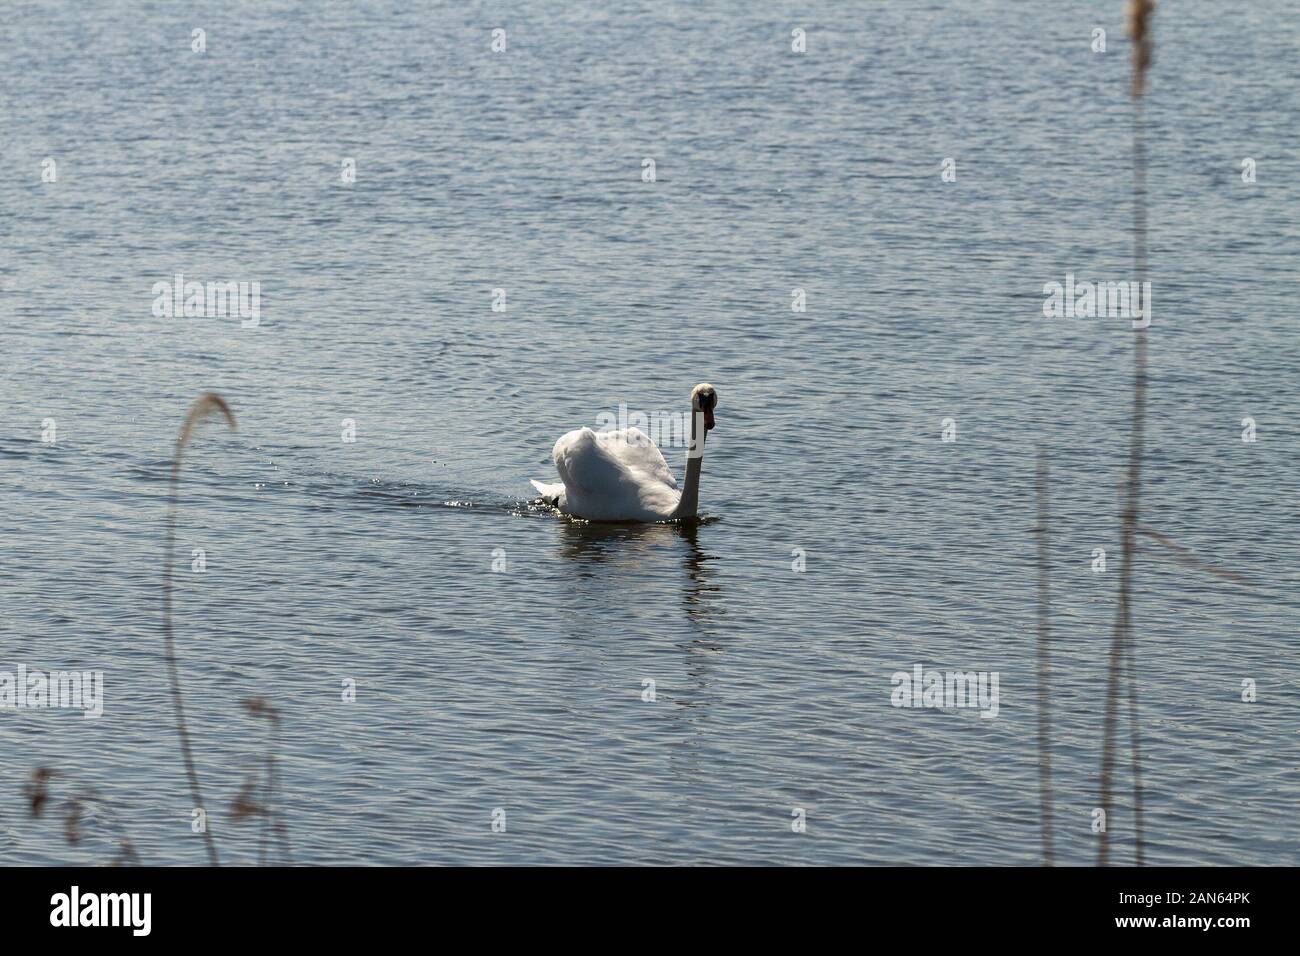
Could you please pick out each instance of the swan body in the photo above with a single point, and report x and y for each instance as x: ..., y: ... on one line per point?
x: 622, y: 476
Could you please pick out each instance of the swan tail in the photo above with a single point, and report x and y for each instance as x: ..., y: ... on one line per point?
x: 551, y: 492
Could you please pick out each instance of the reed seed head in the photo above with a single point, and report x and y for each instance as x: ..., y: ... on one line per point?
x: 1140, y: 35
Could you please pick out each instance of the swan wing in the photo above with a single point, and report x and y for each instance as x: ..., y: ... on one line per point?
x: 615, y: 475
x: 638, y: 454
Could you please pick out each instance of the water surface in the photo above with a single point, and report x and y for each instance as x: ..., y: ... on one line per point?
x: 522, y: 689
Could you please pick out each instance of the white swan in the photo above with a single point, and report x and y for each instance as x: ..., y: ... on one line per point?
x: 621, y: 475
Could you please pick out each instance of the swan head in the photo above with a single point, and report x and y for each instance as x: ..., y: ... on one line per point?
x: 704, y: 398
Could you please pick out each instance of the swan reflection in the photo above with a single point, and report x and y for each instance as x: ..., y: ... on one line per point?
x: 598, y: 547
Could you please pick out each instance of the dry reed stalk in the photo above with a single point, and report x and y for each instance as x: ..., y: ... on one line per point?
x: 75, y: 806
x: 1187, y: 557
x: 1122, y: 664
x: 1044, y: 666
x: 203, y: 406
x: 272, y: 819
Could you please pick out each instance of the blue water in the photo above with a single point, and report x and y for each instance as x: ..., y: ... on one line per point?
x: 521, y: 689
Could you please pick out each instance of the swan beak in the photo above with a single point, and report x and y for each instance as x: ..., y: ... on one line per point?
x: 708, y: 419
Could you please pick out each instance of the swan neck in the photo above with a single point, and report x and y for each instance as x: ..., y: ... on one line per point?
x: 690, y: 500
